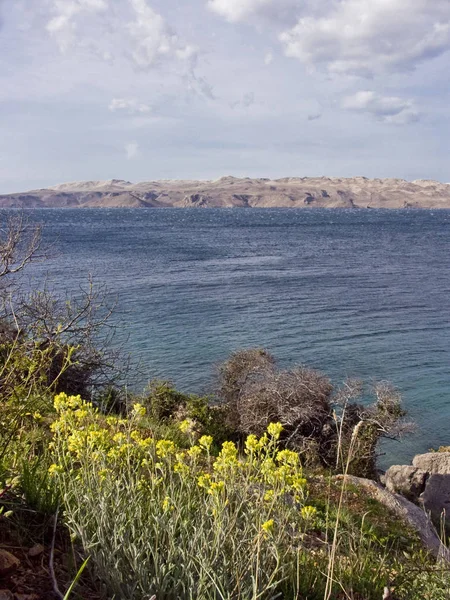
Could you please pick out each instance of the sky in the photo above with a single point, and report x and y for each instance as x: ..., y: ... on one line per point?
x: 199, y: 89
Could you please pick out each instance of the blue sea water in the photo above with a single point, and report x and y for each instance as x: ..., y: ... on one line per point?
x: 361, y: 293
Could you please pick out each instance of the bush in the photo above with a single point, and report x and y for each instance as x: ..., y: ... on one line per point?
x: 167, y: 408
x: 319, y: 421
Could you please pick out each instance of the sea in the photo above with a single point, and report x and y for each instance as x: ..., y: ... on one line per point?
x: 354, y: 293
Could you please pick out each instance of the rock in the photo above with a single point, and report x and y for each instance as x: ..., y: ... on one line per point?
x: 36, y: 551
x: 405, y: 480
x: 409, y: 512
x: 6, y: 595
x: 436, y: 497
x: 8, y: 563
x: 433, y: 462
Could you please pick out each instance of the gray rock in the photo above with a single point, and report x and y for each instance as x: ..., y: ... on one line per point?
x: 433, y: 462
x: 405, y: 480
x: 436, y: 497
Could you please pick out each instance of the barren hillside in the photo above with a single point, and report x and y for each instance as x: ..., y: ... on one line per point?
x: 290, y: 192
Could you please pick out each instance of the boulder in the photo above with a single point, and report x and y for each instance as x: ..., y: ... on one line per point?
x: 8, y: 563
x: 433, y: 462
x: 405, y: 480
x: 436, y: 497
x: 6, y: 595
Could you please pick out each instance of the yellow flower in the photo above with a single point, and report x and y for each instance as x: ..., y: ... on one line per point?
x: 37, y: 416
x: 204, y: 481
x: 228, y: 457
x: 267, y: 527
x: 298, y: 483
x: 181, y: 468
x: 251, y: 444
x: 308, y: 512
x: 167, y: 504
x: 60, y: 402
x: 165, y: 448
x: 269, y: 496
x: 205, y: 442
x: 64, y: 402
x: 54, y: 469
x: 288, y: 457
x: 263, y: 441
x: 274, y: 430
x: 103, y: 473
x: 120, y: 438
x: 81, y: 413
x: 216, y: 487
x: 229, y: 450
x: 194, y: 451
x: 187, y: 426
x: 138, y: 410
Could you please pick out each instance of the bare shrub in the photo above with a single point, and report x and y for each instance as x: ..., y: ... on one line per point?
x: 319, y: 420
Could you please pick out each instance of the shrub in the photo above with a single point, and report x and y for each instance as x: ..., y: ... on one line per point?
x: 318, y: 420
x: 168, y: 407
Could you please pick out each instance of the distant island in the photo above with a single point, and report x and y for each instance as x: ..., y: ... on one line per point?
x: 228, y: 192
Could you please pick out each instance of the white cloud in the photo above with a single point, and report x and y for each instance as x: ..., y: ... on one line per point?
x: 132, y: 150
x: 153, y: 40
x: 283, y: 12
x: 63, y: 25
x: 389, y: 109
x: 238, y: 10
x: 368, y: 37
x: 130, y: 105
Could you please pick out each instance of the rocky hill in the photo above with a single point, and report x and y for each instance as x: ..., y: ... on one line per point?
x: 289, y: 192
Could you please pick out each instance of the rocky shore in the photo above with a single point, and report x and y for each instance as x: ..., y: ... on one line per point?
x: 419, y: 494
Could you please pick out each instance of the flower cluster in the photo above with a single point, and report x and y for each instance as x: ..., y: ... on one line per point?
x: 92, y: 445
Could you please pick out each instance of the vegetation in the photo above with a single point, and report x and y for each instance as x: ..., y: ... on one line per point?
x: 175, y: 496
x: 318, y: 420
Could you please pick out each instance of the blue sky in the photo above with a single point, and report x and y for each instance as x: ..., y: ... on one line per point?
x: 158, y: 89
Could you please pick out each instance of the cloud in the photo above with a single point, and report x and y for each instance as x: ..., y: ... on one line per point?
x: 389, y: 109
x: 238, y: 10
x: 369, y: 37
x: 132, y: 150
x: 130, y: 105
x: 270, y: 12
x: 63, y: 25
x: 153, y: 40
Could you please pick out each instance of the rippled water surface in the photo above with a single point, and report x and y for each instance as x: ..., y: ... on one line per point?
x: 355, y: 293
